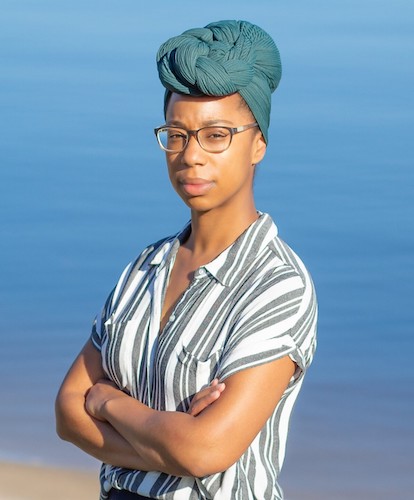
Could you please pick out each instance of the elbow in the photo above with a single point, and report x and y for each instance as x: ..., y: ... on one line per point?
x: 187, y: 447
x: 211, y: 453
x: 60, y: 422
x: 62, y: 430
x: 199, y: 469
x: 204, y: 459
x: 62, y: 433
x: 207, y: 464
x: 63, y: 422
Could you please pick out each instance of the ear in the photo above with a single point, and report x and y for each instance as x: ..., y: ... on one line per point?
x: 259, y: 149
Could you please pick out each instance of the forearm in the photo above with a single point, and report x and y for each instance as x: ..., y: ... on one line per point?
x: 169, y: 441
x: 98, y: 439
x: 181, y: 444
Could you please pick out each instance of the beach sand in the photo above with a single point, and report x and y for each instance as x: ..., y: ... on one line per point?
x: 31, y: 482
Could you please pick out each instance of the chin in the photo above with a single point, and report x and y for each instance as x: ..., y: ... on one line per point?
x: 197, y: 205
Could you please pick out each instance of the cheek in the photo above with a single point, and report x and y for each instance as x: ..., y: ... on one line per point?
x: 170, y: 168
x: 173, y: 176
x: 237, y: 166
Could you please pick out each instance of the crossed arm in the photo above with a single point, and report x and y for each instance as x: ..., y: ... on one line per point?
x: 115, y: 428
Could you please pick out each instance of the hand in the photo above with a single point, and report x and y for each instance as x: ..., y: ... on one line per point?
x: 98, y: 395
x: 206, y: 397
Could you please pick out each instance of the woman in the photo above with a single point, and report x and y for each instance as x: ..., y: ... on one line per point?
x: 188, y: 381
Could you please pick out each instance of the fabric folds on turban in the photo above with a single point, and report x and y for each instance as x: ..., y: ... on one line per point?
x: 223, y: 58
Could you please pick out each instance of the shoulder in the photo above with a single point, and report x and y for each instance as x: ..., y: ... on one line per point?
x: 151, y: 252
x: 272, y: 258
x: 147, y: 259
x: 304, y: 328
x: 280, y: 280
x: 284, y: 257
x: 291, y: 270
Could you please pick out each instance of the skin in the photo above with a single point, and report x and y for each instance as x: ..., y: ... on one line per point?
x: 218, y: 188
x: 224, y: 418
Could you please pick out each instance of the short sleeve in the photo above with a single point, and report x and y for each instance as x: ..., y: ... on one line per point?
x: 98, y: 325
x: 270, y: 324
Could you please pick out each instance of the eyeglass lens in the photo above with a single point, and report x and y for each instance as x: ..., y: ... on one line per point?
x: 212, y: 139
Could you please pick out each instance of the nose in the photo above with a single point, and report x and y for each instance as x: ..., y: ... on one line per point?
x: 193, y: 153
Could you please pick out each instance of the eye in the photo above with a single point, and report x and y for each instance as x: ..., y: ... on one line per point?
x: 176, y: 134
x: 215, y: 133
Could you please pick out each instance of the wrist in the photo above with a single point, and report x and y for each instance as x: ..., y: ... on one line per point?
x: 109, y: 403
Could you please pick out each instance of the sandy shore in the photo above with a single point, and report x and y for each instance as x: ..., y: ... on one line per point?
x: 30, y: 482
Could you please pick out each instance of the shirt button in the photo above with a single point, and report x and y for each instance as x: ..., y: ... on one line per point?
x: 172, y: 318
x: 201, y: 273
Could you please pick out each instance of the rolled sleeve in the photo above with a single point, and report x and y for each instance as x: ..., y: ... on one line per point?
x: 263, y: 330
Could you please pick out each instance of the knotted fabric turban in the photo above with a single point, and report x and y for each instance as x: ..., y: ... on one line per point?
x: 223, y: 58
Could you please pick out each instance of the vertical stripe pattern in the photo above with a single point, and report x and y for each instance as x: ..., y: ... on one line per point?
x: 253, y: 304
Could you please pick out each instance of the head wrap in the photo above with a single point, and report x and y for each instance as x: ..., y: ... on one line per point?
x: 223, y: 58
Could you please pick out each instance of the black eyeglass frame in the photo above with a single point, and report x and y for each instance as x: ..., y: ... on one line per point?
x: 194, y: 133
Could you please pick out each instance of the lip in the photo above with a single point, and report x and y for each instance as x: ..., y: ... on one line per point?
x: 196, y: 187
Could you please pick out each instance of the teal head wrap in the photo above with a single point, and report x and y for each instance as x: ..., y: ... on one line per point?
x: 223, y: 58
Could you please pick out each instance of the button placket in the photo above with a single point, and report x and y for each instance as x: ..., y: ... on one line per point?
x: 200, y: 273
x: 181, y: 304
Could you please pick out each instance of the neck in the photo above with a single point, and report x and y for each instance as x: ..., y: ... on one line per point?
x: 214, y: 231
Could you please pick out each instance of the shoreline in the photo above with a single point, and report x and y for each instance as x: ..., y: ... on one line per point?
x: 19, y: 481
x: 29, y: 481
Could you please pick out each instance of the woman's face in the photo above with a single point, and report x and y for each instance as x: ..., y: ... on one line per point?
x: 214, y: 181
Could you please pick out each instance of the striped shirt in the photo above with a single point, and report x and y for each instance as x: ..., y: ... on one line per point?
x: 252, y: 304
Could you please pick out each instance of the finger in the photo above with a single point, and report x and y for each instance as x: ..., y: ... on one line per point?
x: 214, y: 386
x: 204, y: 398
x: 221, y: 386
x: 201, y: 404
x: 202, y: 393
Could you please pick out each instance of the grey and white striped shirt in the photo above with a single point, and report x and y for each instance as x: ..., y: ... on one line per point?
x: 252, y: 304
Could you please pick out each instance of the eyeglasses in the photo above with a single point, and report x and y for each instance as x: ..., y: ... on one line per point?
x: 211, y: 139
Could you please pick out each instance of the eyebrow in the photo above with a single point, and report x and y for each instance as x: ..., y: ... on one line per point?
x: 208, y: 123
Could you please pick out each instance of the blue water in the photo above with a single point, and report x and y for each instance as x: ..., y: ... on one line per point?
x: 81, y: 174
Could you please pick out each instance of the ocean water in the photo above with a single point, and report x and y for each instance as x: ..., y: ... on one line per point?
x: 81, y: 176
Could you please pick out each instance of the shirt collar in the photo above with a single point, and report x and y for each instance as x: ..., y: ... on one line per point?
x: 169, y: 247
x: 225, y: 267
x: 248, y: 246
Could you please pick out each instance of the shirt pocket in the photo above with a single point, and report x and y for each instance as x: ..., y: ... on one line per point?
x: 197, y: 372
x: 122, y: 353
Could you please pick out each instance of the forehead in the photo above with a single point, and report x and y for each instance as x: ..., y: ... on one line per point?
x: 192, y: 110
